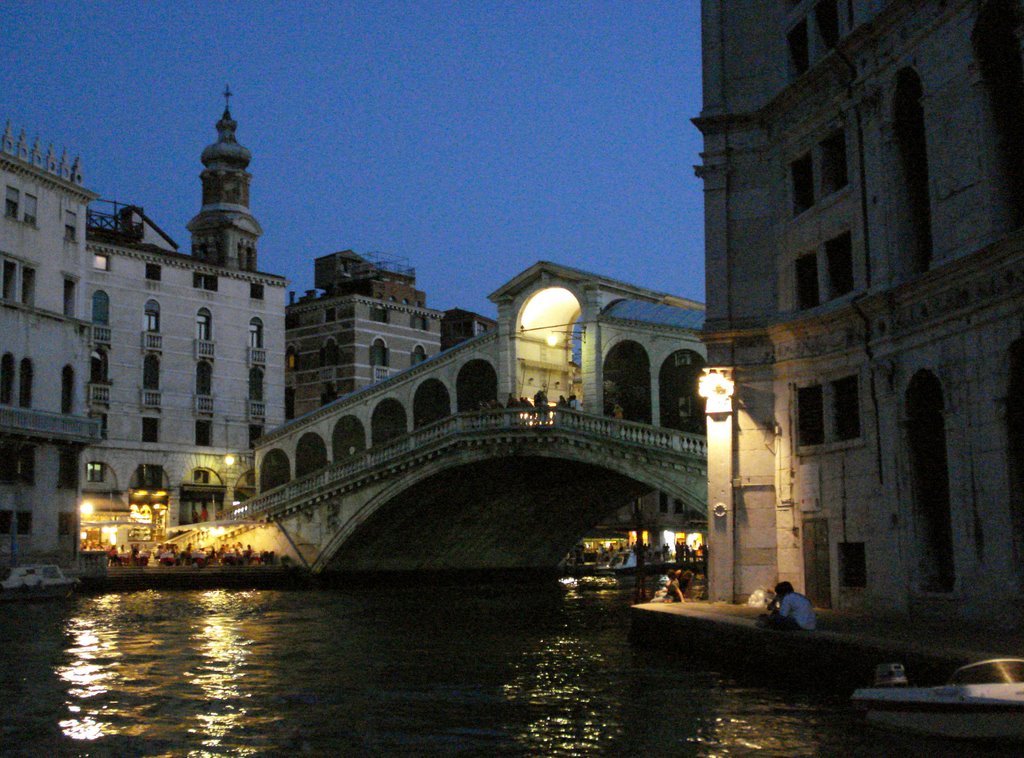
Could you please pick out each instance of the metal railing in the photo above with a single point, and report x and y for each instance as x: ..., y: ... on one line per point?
x: 380, y: 373
x: 204, y: 403
x: 150, y: 398
x: 257, y: 409
x: 257, y: 356
x: 204, y: 349
x: 99, y: 394
x: 44, y: 423
x: 152, y: 341
x: 100, y: 334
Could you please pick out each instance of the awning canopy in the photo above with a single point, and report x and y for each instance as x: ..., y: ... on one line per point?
x: 207, y: 525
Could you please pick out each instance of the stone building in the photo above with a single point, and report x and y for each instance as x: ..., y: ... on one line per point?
x: 458, y: 325
x: 365, y: 322
x: 44, y: 352
x: 187, y: 357
x: 863, y: 173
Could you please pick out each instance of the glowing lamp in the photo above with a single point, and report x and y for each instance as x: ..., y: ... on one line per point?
x: 86, y: 508
x: 717, y: 389
x: 552, y: 339
x: 229, y: 460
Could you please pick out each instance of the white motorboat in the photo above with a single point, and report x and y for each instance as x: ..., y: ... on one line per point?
x: 983, y: 700
x: 36, y: 582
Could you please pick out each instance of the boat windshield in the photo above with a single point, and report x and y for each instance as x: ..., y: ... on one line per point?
x: 1004, y: 671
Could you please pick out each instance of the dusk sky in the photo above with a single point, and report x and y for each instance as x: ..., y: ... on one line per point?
x: 472, y: 139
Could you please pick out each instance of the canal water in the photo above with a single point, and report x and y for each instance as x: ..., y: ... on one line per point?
x: 514, y: 670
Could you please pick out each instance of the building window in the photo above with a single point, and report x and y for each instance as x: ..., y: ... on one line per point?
x: 826, y: 15
x: 24, y: 522
x: 915, y: 200
x: 103, y: 423
x: 67, y: 469
x: 289, y: 403
x: 807, y: 281
x: 379, y: 313
x: 153, y: 272
x: 255, y: 333
x: 65, y: 523
x: 151, y: 316
x: 204, y: 429
x: 378, y: 353
x: 11, y: 204
x: 834, y: 174
x: 329, y: 353
x: 839, y: 255
x: 810, y: 415
x: 151, y: 372
x: 204, y: 378
x: 846, y: 408
x: 29, y: 216
x: 25, y: 384
x: 204, y: 325
x: 98, y: 367
x: 799, y: 51
x: 70, y: 226
x: 28, y: 285
x: 330, y: 314
x: 10, y: 279
x: 204, y: 281
x: 255, y: 384
x: 67, y: 390
x: 149, y: 476
x: 101, y: 262
x: 853, y: 571
x: 662, y: 502
x: 418, y: 355
x: 7, y: 379
x: 69, y: 297
x: 150, y: 429
x: 94, y: 472
x: 801, y: 173
x: 255, y: 291
x: 255, y: 432
x: 100, y: 308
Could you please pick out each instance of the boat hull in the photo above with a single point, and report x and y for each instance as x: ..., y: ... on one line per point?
x: 951, y: 712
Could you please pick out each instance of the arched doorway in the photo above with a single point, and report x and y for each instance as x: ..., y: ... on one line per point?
x: 912, y: 148
x: 310, y: 454
x: 627, y: 382
x: 926, y: 435
x: 476, y: 384
x: 548, y: 342
x: 388, y: 422
x: 348, y: 438
x: 275, y: 471
x: 430, y: 403
x: 680, y: 404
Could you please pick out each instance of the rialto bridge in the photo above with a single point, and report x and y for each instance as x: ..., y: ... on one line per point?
x: 430, y: 469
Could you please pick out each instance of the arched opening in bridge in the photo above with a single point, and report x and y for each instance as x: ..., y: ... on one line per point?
x: 627, y: 382
x: 310, y: 454
x: 275, y: 470
x: 680, y: 404
x: 430, y: 403
x: 476, y: 385
x: 348, y: 438
x: 548, y: 345
x: 1015, y: 451
x: 388, y: 422
x: 926, y: 432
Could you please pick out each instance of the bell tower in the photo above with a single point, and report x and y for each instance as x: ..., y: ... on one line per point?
x: 224, y: 232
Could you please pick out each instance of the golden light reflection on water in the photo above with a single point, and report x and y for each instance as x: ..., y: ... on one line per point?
x: 91, y: 673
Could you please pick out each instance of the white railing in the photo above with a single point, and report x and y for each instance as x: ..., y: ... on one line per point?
x: 204, y: 349
x: 257, y: 356
x: 150, y: 398
x: 152, y: 341
x: 100, y: 334
x: 257, y: 409
x: 477, y: 423
x: 380, y: 373
x: 99, y: 394
x: 28, y: 421
x: 204, y: 403
x: 328, y: 373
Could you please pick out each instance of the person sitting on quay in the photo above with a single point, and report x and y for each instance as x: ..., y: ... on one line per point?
x: 673, y: 591
x: 167, y: 556
x: 793, y: 612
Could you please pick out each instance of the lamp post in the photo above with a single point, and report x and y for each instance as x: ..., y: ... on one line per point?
x: 717, y: 388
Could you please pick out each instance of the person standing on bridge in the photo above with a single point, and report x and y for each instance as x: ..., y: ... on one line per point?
x: 540, y: 401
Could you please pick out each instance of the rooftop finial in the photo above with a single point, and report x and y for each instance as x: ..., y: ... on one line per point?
x: 227, y: 97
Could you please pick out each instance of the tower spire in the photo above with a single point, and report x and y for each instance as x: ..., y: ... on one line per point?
x: 227, y: 98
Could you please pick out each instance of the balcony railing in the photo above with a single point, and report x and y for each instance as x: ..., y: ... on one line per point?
x: 24, y: 421
x: 380, y: 373
x: 257, y: 409
x: 152, y: 341
x: 100, y: 335
x: 204, y: 403
x: 257, y: 356
x: 150, y: 398
x: 99, y: 394
x: 204, y: 349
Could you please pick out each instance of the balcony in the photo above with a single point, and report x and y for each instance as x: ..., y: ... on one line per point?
x: 28, y: 422
x: 150, y: 398
x: 152, y: 341
x: 204, y: 349
x: 257, y: 409
x: 257, y: 356
x: 204, y: 404
x: 100, y: 335
x: 380, y: 373
x: 98, y: 394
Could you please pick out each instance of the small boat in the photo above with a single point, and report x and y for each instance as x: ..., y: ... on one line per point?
x: 983, y: 700
x: 36, y: 582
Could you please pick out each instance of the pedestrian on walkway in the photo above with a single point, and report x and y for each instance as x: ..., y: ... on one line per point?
x: 794, y: 612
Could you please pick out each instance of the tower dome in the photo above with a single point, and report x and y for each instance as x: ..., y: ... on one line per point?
x: 226, y: 152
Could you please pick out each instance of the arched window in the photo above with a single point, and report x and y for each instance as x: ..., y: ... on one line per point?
x: 275, y: 471
x: 627, y: 382
x: 67, y: 390
x: 204, y: 325
x: 418, y: 355
x: 7, y: 379
x: 378, y: 353
x: 151, y: 372
x: 289, y: 359
x: 310, y: 454
x: 329, y: 354
x: 908, y: 124
x: 204, y: 378
x: 255, y: 333
x: 255, y: 384
x: 25, y: 384
x: 152, y: 316
x: 100, y: 308
x: 98, y: 366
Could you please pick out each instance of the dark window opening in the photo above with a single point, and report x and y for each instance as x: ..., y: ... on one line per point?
x: 834, y: 174
x: 846, y: 405
x: 204, y: 431
x: 153, y: 272
x: 799, y: 58
x: 255, y: 432
x: 256, y: 291
x: 802, y: 173
x: 853, y: 570
x: 826, y: 14
x: 150, y: 430
x: 807, y: 295
x: 67, y: 469
x: 913, y: 155
x: 65, y: 523
x: 839, y: 254
x: 810, y: 415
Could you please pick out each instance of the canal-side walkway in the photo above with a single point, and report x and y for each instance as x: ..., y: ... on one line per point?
x: 842, y: 652
x: 133, y: 578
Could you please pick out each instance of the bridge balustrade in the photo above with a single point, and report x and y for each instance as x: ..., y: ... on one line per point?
x: 473, y: 423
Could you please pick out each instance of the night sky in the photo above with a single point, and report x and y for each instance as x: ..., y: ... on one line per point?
x: 472, y: 139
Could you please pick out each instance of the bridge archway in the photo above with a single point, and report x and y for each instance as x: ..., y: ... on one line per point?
x: 680, y: 404
x: 348, y: 437
x: 310, y: 454
x: 627, y: 381
x: 430, y: 403
x: 275, y: 470
x: 476, y: 383
x: 388, y: 422
x: 548, y: 343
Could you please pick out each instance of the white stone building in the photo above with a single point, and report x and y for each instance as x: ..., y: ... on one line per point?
x: 44, y: 352
x: 863, y: 169
x: 187, y: 358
